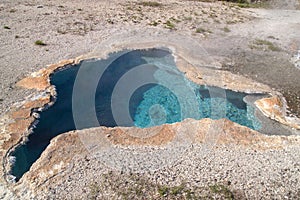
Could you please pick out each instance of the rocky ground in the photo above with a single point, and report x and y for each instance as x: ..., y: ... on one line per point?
x: 225, y: 173
x: 258, y: 43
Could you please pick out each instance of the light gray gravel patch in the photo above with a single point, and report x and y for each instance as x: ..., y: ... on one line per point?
x: 250, y: 174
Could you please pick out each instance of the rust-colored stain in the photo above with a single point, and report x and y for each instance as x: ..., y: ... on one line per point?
x: 16, y: 130
x: 21, y: 115
x: 273, y: 107
x: 40, y: 80
x: 159, y: 136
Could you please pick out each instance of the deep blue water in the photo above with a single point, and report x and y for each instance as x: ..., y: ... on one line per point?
x: 133, y: 88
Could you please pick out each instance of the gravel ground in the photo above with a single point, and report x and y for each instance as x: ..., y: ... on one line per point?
x: 71, y: 29
x: 227, y: 172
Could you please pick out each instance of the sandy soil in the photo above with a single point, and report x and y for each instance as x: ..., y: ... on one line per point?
x: 234, y: 37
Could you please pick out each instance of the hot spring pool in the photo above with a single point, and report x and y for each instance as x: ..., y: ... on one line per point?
x: 140, y: 88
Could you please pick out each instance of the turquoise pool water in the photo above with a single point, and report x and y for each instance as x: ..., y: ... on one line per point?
x: 160, y: 106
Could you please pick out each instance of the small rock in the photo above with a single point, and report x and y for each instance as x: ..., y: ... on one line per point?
x: 36, y: 115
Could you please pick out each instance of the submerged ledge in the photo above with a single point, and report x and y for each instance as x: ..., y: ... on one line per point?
x: 23, y: 115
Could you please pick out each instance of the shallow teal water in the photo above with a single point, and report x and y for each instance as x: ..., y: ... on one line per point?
x: 160, y: 106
